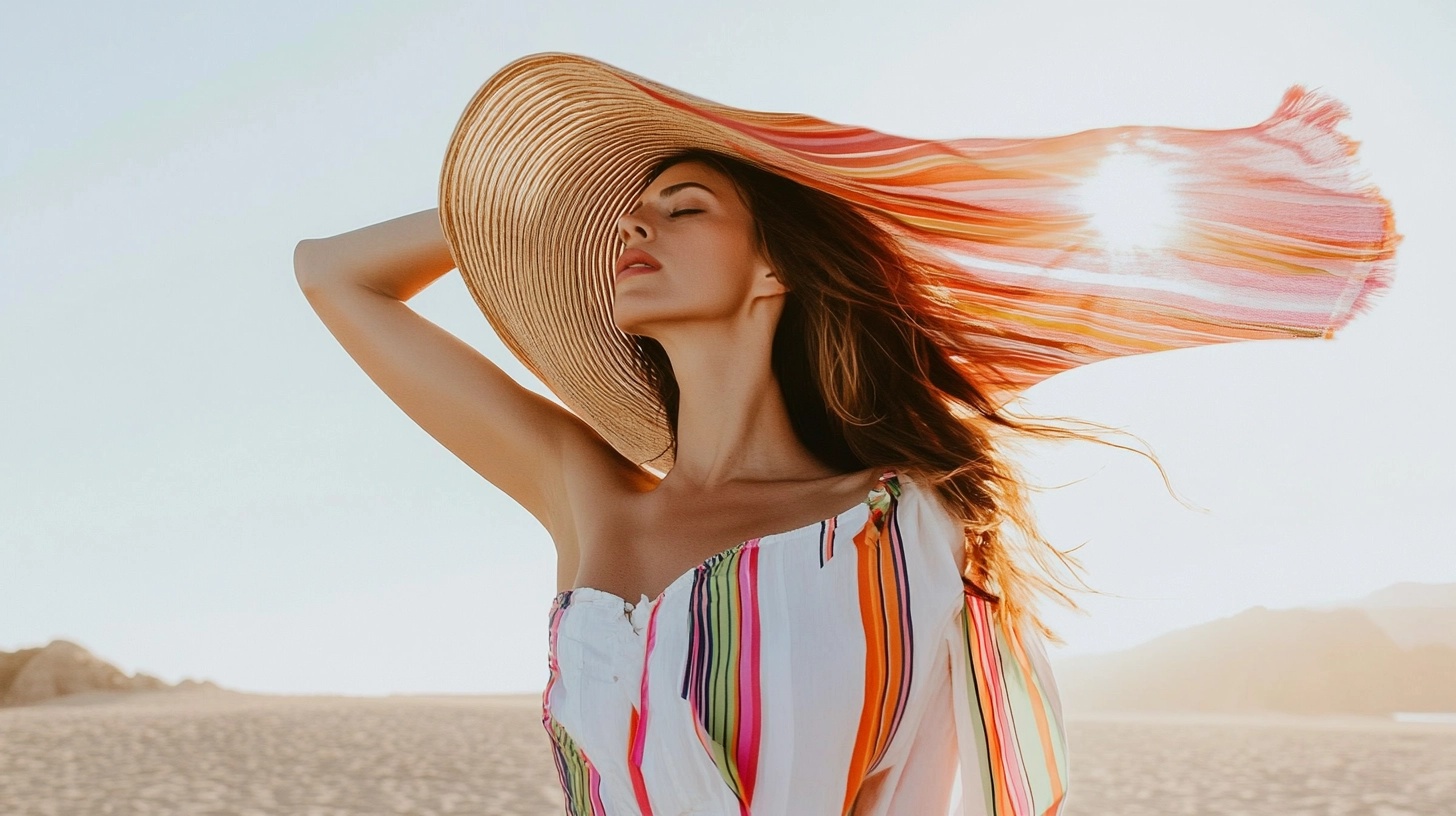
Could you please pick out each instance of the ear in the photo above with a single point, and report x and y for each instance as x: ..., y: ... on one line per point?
x: 768, y: 281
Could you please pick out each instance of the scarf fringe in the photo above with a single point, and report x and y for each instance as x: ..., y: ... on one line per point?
x: 1362, y: 293
x: 1308, y: 118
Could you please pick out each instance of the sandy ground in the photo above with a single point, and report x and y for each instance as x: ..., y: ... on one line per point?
x: 1219, y: 766
x: 222, y: 753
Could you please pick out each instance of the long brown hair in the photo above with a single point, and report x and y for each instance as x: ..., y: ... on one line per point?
x: 865, y: 381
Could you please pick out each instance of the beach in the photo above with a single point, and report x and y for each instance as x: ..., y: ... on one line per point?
x: 219, y: 752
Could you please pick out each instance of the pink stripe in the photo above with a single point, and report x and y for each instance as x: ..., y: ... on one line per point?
x: 639, y: 739
x: 556, y: 614
x: 595, y: 786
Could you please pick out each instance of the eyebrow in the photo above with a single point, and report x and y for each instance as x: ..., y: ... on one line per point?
x: 672, y: 188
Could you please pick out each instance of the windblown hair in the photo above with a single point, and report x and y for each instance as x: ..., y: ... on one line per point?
x: 866, y: 381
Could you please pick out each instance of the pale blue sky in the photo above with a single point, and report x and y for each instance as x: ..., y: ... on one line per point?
x: 197, y: 481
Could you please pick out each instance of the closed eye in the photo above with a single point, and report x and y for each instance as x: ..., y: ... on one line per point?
x: 676, y: 213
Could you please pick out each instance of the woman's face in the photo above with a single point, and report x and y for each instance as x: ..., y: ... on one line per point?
x: 692, y: 222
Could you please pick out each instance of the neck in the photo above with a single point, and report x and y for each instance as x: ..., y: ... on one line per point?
x: 733, y: 425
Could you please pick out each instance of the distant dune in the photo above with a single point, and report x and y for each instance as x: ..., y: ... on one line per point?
x: 1408, y: 594
x: 1413, y: 614
x: 1392, y: 651
x: 60, y: 668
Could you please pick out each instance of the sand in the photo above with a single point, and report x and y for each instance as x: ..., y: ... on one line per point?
x: 221, y: 753
x: 1260, y: 766
x: 226, y: 753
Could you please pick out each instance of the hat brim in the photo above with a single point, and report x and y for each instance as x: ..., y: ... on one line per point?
x: 544, y: 159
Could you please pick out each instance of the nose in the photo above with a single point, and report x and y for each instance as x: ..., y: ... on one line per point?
x: 629, y: 225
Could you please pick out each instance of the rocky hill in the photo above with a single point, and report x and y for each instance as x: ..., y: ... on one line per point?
x: 34, y: 675
x: 1411, y: 614
x: 1391, y: 651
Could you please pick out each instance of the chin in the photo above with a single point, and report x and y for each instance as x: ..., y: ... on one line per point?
x: 632, y: 318
x: 631, y: 326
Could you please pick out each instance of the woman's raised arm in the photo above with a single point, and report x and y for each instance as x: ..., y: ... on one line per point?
x: 518, y: 440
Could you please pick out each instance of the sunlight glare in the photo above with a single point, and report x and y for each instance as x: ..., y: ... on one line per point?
x: 1131, y: 201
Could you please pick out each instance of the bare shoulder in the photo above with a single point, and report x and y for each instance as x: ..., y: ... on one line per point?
x: 594, y: 477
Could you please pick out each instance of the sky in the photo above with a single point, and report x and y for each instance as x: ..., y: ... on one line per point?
x: 197, y: 481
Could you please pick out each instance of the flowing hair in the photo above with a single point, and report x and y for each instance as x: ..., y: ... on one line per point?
x: 866, y: 379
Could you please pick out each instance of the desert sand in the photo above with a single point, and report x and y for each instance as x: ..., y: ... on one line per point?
x: 219, y: 752
x: 1221, y: 765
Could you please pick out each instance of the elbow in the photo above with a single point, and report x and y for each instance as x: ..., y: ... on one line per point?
x: 306, y: 262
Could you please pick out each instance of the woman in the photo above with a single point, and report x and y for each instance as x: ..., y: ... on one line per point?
x: 835, y: 575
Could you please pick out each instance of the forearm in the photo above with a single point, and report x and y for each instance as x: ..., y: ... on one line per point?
x: 398, y: 257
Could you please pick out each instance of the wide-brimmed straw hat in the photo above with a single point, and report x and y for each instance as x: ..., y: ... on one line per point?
x: 1055, y: 252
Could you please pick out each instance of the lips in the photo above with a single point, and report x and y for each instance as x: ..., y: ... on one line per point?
x: 635, y: 256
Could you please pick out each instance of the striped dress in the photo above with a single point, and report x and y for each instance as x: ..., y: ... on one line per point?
x: 840, y: 668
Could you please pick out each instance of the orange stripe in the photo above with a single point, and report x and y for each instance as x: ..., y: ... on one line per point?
x: 895, y: 659
x: 866, y: 547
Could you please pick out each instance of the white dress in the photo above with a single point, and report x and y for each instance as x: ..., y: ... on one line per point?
x: 840, y: 668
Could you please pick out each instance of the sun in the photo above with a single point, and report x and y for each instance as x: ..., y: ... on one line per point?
x: 1132, y: 202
